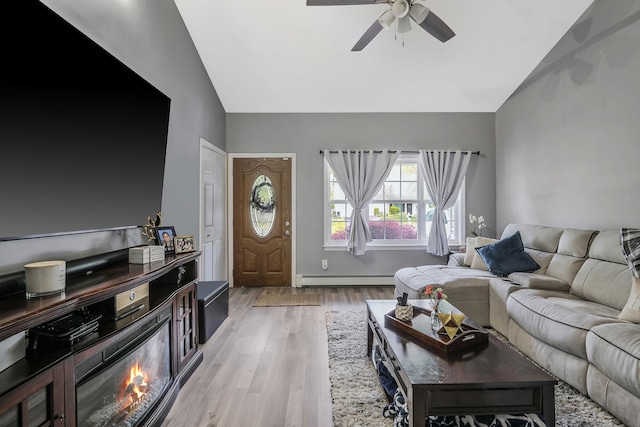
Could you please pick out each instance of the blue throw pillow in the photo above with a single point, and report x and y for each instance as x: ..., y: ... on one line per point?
x: 507, y: 256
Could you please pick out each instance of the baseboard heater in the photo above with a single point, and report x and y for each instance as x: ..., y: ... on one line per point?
x: 310, y: 280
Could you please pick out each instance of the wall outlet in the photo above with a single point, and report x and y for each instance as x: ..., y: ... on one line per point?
x: 325, y: 264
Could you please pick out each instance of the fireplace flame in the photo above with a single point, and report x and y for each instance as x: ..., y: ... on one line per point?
x: 135, y: 388
x: 137, y: 381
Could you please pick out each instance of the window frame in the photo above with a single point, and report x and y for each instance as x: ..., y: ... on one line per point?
x: 396, y: 244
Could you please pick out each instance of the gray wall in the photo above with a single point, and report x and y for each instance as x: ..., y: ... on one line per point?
x: 306, y: 134
x: 150, y: 37
x: 567, y: 141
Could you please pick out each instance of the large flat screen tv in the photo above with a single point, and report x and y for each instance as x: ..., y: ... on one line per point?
x: 83, y: 137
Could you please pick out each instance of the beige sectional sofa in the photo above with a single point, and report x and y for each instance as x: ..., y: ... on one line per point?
x: 563, y: 315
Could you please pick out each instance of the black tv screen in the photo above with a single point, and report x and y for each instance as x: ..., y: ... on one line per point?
x: 83, y: 137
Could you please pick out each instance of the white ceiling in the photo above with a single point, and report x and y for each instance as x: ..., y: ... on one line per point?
x: 282, y: 56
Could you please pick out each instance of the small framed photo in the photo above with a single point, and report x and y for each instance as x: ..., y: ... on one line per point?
x: 184, y: 244
x: 166, y: 236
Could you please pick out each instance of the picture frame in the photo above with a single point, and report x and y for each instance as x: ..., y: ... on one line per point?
x: 165, y: 237
x: 184, y: 244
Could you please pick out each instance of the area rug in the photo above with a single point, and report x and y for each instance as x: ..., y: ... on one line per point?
x: 359, y: 399
x: 276, y: 299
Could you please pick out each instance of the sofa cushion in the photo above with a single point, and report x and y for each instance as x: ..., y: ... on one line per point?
x: 478, y: 263
x: 604, y: 276
x: 537, y: 237
x: 470, y: 250
x: 564, y: 267
x: 575, y: 243
x: 541, y: 257
x: 559, y: 319
x: 539, y: 281
x: 507, y: 256
x: 606, y: 247
x: 456, y: 260
x: 603, y: 282
x: 413, y: 280
x: 615, y: 350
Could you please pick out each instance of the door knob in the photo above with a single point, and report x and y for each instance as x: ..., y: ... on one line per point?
x: 287, y: 233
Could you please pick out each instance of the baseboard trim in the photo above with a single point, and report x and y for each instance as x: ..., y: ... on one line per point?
x: 327, y: 280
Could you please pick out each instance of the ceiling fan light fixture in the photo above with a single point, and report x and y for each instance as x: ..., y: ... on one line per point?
x: 400, y: 8
x: 386, y: 19
x: 404, y: 25
x: 418, y: 12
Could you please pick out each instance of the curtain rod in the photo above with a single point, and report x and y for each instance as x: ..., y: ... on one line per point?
x: 477, y: 153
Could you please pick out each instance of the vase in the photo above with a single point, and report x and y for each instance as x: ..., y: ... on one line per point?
x: 436, y: 324
x: 404, y: 312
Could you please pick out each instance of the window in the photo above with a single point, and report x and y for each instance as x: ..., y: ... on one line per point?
x: 400, y: 215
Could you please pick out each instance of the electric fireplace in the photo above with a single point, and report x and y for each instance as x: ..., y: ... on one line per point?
x: 123, y: 390
x: 129, y: 371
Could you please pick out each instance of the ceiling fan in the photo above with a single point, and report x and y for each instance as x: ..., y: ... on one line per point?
x: 401, y: 10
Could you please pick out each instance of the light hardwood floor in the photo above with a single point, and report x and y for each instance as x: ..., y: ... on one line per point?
x: 267, y: 366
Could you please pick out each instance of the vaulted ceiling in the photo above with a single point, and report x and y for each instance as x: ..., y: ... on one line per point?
x: 282, y: 56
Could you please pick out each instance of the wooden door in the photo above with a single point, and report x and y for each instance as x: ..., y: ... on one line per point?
x: 262, y: 222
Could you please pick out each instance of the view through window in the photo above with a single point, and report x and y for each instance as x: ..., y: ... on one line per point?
x: 400, y: 214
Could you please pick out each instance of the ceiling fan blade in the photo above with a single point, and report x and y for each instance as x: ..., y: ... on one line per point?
x: 373, y: 31
x: 342, y: 2
x: 436, y: 27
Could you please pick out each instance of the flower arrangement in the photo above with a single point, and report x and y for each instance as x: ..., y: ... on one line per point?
x: 478, y: 224
x: 436, y: 296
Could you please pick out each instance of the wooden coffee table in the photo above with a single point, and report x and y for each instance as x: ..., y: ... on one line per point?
x: 487, y: 379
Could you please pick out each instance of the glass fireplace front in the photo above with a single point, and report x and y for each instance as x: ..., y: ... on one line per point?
x: 122, y: 393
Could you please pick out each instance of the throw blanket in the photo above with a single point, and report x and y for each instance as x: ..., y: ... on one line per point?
x: 397, y: 410
x: 630, y: 241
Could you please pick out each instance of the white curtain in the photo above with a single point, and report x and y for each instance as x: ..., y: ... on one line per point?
x: 360, y: 174
x: 444, y: 173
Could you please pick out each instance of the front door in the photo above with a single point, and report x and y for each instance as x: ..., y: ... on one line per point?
x: 262, y: 222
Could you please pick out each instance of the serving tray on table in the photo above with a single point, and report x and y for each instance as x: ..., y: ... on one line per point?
x: 419, y: 327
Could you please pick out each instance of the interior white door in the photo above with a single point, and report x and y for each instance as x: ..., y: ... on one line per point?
x: 213, y: 228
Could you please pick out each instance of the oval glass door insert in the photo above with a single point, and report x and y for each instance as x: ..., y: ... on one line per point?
x: 262, y: 206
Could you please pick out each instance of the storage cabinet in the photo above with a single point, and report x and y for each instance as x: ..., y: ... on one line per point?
x: 38, y: 402
x: 186, y: 320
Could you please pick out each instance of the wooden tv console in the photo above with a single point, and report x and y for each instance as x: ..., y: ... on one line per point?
x: 45, y: 381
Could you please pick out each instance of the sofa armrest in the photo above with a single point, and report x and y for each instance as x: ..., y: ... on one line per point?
x: 539, y: 281
x: 456, y: 260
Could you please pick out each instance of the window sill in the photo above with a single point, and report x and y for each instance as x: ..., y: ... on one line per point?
x: 453, y: 247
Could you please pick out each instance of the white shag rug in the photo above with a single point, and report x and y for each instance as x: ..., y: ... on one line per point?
x: 358, y: 397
